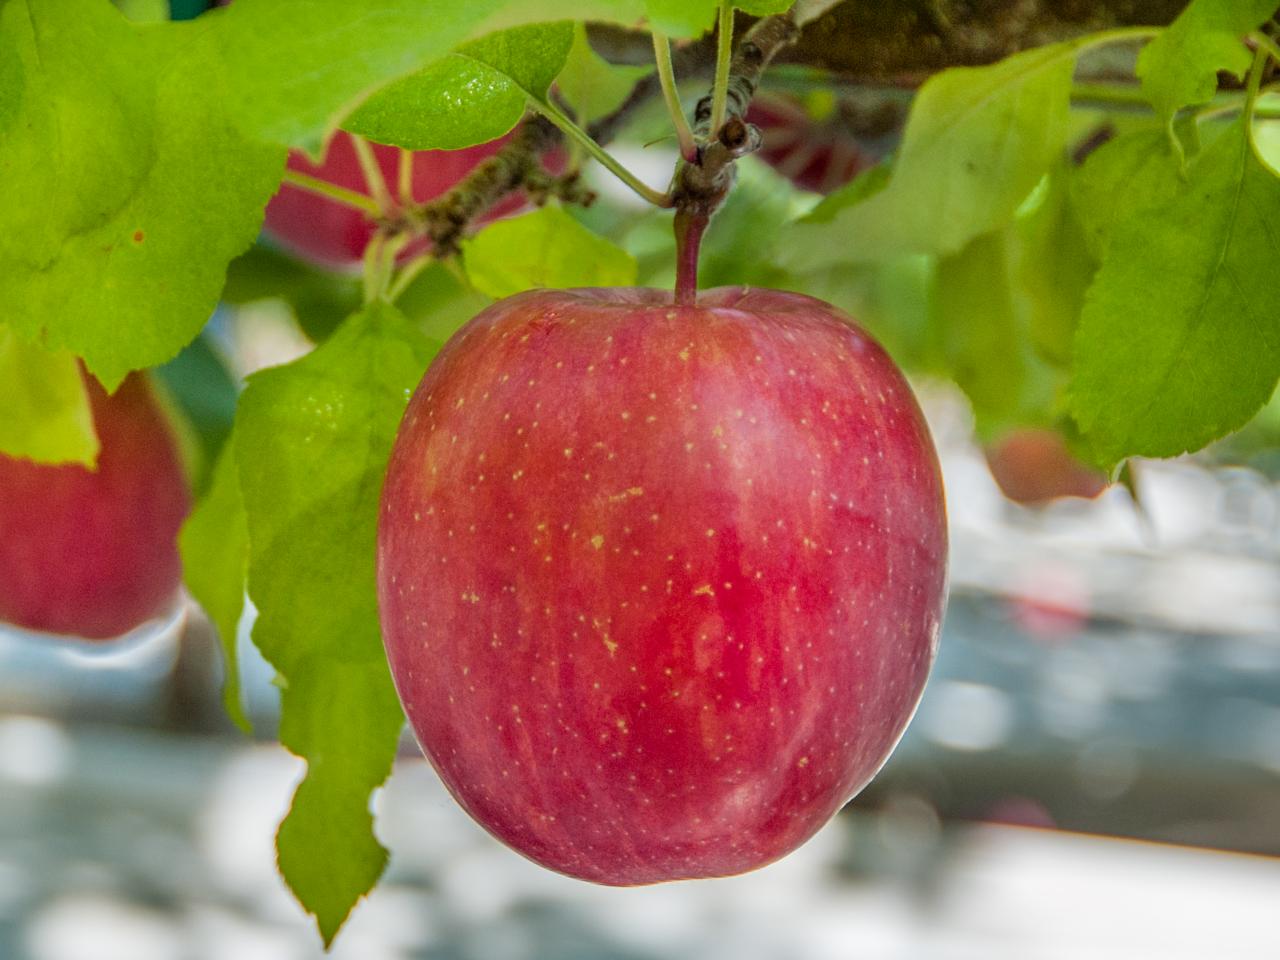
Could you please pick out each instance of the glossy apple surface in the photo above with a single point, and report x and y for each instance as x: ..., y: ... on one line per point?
x: 660, y: 586
x: 1033, y: 466
x: 93, y: 553
x: 334, y: 235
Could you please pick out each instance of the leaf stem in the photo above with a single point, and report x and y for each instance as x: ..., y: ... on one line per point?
x: 373, y: 177
x: 1254, y: 84
x: 667, y: 78
x: 409, y: 273
x: 724, y: 56
x: 405, y: 176
x: 1118, y: 35
x: 331, y: 191
x: 578, y: 135
x: 1264, y: 42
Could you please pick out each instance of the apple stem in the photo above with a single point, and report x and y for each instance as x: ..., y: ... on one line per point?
x: 690, y: 224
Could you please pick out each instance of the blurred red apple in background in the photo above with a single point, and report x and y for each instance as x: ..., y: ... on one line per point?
x: 1033, y: 466
x: 660, y: 585
x: 93, y: 553
x: 811, y: 144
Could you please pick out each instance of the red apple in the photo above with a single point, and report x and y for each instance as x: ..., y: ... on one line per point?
x: 93, y: 553
x: 335, y: 235
x: 818, y: 153
x: 660, y: 585
x: 1033, y: 466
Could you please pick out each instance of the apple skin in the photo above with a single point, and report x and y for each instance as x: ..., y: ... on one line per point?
x: 93, y: 553
x: 1034, y: 466
x: 333, y: 235
x: 660, y: 586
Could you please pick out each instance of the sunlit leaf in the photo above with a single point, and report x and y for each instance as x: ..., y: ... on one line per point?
x: 1178, y: 343
x: 312, y: 442
x: 44, y: 410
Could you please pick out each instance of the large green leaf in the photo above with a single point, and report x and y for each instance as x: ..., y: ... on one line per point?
x: 1178, y: 343
x: 982, y: 333
x: 472, y: 95
x: 312, y: 442
x: 126, y: 189
x: 44, y: 410
x: 1122, y: 178
x: 545, y: 248
x: 1180, y: 67
x: 293, y: 73
x: 977, y: 141
x: 214, y: 543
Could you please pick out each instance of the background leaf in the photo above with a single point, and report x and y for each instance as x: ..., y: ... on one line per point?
x: 145, y: 190
x: 44, y: 410
x: 472, y: 95
x: 983, y: 337
x: 320, y: 300
x: 1180, y: 67
x: 977, y: 141
x: 1052, y: 269
x: 198, y: 382
x: 590, y: 84
x: 214, y: 544
x: 545, y: 248
x: 1178, y: 343
x: 312, y: 442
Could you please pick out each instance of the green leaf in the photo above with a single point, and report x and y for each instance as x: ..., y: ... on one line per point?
x: 312, y: 441
x: 1052, y: 269
x: 977, y: 141
x: 590, y: 84
x: 1178, y: 343
x: 199, y: 384
x: 983, y: 337
x: 126, y: 191
x: 689, y: 18
x: 294, y: 78
x: 545, y: 248
x: 144, y: 11
x: 214, y: 544
x: 1180, y: 67
x: 473, y: 95
x: 1121, y: 179
x: 856, y: 191
x: 440, y: 301
x: 44, y: 410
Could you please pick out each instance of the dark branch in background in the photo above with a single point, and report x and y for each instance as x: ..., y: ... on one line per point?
x: 859, y: 41
x: 902, y: 43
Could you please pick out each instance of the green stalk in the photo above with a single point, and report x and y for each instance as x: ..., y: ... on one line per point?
x: 372, y: 174
x: 332, y: 191
x: 667, y: 78
x: 724, y: 57
x: 580, y: 136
